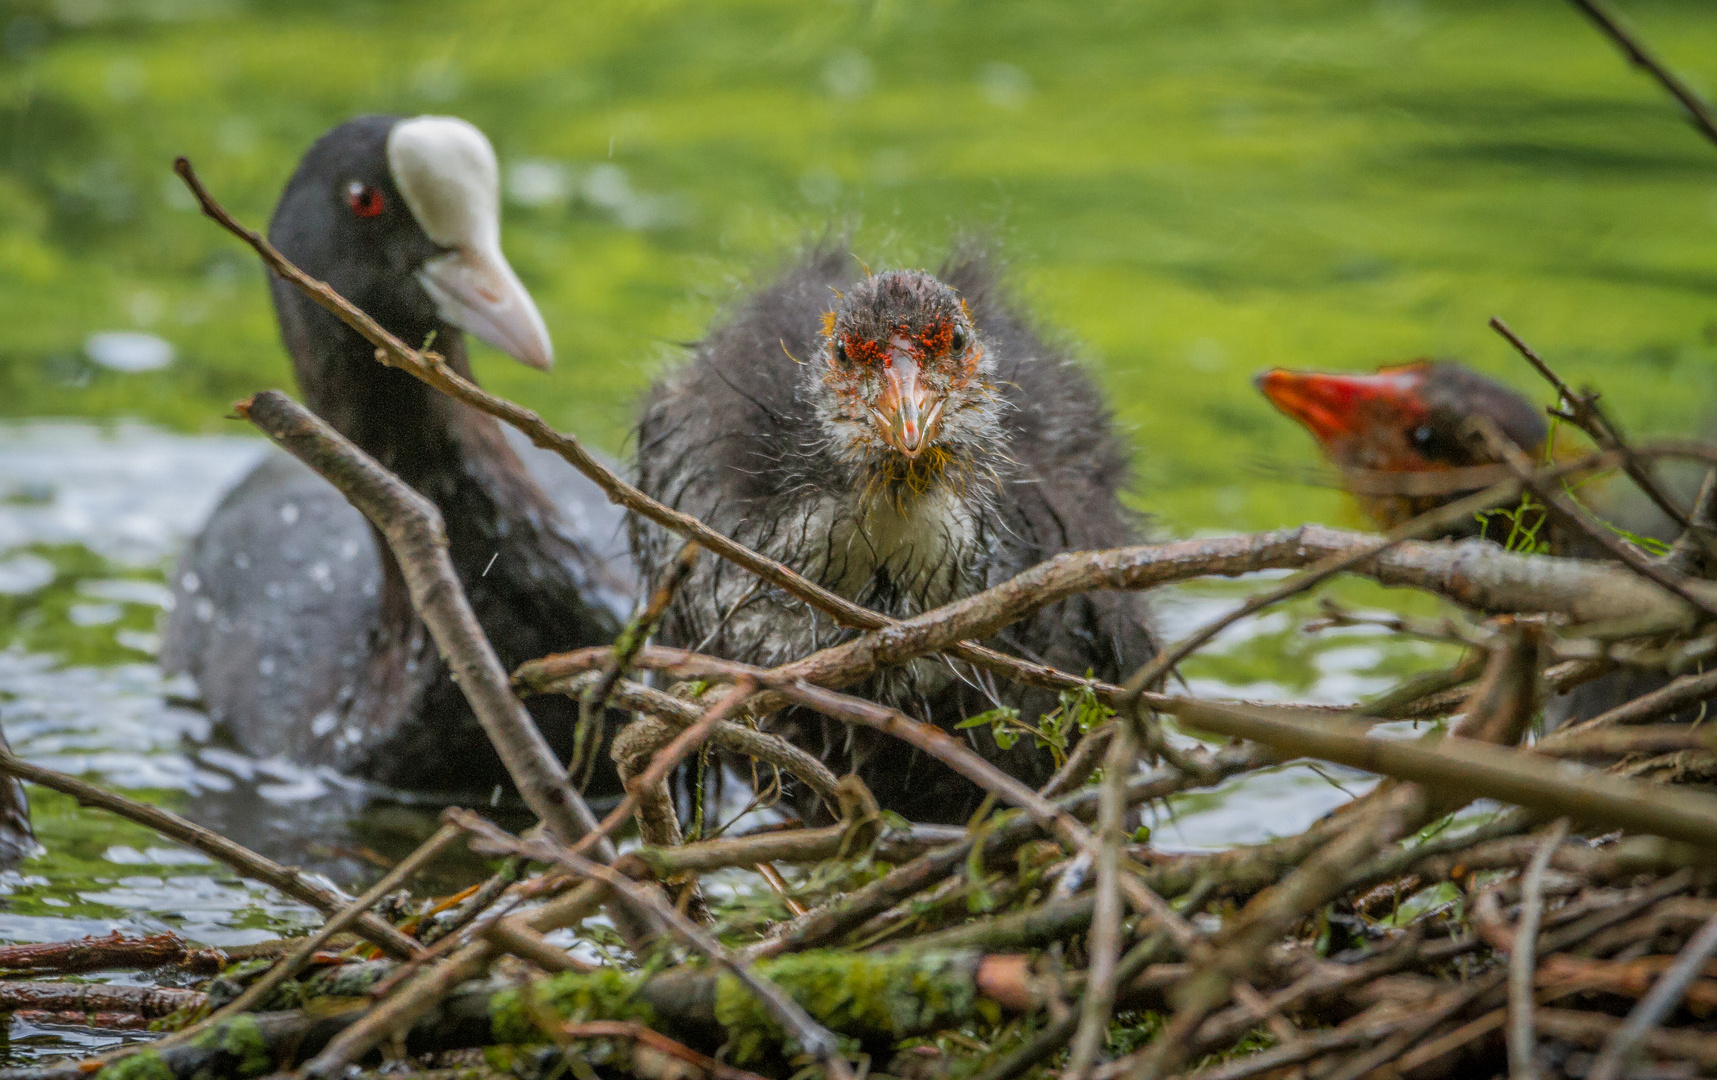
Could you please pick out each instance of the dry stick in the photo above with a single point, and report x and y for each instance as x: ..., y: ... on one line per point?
x: 632, y: 638
x: 1652, y: 1009
x: 1473, y: 768
x: 1426, y: 524
x: 110, y: 953
x: 1584, y: 412
x: 1623, y: 552
x: 702, y: 1064
x: 1697, y: 110
x: 812, y: 1037
x: 1620, y: 742
x: 770, y: 749
x: 414, y: 532
x: 69, y: 997
x: 1683, y: 690
x: 666, y: 760
x: 405, y: 1005
x: 247, y: 862
x: 1523, y: 960
x: 289, y: 965
x: 1104, y: 940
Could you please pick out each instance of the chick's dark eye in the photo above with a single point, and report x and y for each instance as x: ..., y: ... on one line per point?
x: 1422, y: 434
x: 960, y: 339
x: 841, y: 351
x: 366, y: 201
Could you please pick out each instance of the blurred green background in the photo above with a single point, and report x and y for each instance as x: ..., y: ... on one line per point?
x: 1191, y: 189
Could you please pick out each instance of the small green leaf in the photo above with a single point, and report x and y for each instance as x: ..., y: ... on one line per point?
x: 1004, y: 737
x: 1001, y: 714
x: 1142, y: 834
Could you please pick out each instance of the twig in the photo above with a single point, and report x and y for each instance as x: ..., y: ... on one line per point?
x: 626, y: 1029
x: 1552, y: 494
x: 247, y: 862
x: 1620, y: 742
x: 771, y: 750
x: 1523, y: 959
x: 1652, y: 1009
x: 632, y: 638
x: 666, y: 760
x: 1474, y: 769
x: 1104, y: 941
x: 108, y: 954
x: 1682, y: 691
x: 811, y: 1036
x: 1697, y: 110
x: 412, y: 999
x: 413, y: 529
x: 72, y: 997
x: 291, y: 964
x: 1427, y: 524
x: 1583, y: 411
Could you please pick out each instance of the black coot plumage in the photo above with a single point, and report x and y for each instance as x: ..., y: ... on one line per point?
x: 291, y: 616
x: 904, y: 440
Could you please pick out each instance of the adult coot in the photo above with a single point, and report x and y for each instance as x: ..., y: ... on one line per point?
x: 289, y: 612
x: 904, y: 440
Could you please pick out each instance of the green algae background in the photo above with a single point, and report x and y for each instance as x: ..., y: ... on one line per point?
x: 1191, y: 189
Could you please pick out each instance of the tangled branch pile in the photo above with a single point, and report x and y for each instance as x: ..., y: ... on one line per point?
x: 1495, y: 898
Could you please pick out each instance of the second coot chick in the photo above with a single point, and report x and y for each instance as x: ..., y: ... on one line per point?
x: 1415, y: 418
x: 903, y: 439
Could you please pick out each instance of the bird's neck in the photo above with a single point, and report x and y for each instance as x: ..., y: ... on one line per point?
x: 504, y: 536
x: 905, y: 547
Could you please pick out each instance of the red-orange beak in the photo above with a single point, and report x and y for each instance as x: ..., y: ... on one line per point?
x: 906, y: 412
x: 1336, y: 408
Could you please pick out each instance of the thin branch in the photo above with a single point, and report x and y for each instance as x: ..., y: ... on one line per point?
x: 1652, y: 1009
x: 1473, y: 768
x: 666, y: 760
x: 248, y: 863
x: 1523, y: 959
x: 1552, y: 494
x: 413, y: 529
x: 1697, y: 110
x: 1104, y: 942
x: 811, y: 1036
x: 1584, y: 412
x: 632, y: 638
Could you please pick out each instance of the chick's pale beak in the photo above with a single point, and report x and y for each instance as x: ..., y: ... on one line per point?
x: 906, y: 411
x: 1336, y: 407
x: 475, y: 290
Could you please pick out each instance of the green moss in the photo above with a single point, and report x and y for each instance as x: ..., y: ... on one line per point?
x: 599, y: 995
x: 145, y: 1065
x: 240, y: 1038
x: 891, y: 994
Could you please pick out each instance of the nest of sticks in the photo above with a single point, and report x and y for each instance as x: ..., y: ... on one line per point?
x: 1543, y: 906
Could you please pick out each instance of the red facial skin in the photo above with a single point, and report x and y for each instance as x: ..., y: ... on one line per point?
x: 1361, y: 421
x: 902, y: 383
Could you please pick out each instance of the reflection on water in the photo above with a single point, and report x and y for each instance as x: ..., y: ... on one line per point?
x: 90, y: 520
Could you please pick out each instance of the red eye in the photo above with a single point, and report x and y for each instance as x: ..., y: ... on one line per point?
x: 365, y: 201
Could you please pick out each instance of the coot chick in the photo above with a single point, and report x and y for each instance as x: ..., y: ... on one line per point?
x: 290, y: 613
x: 904, y: 440
x: 1407, y: 418
x: 1414, y: 418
